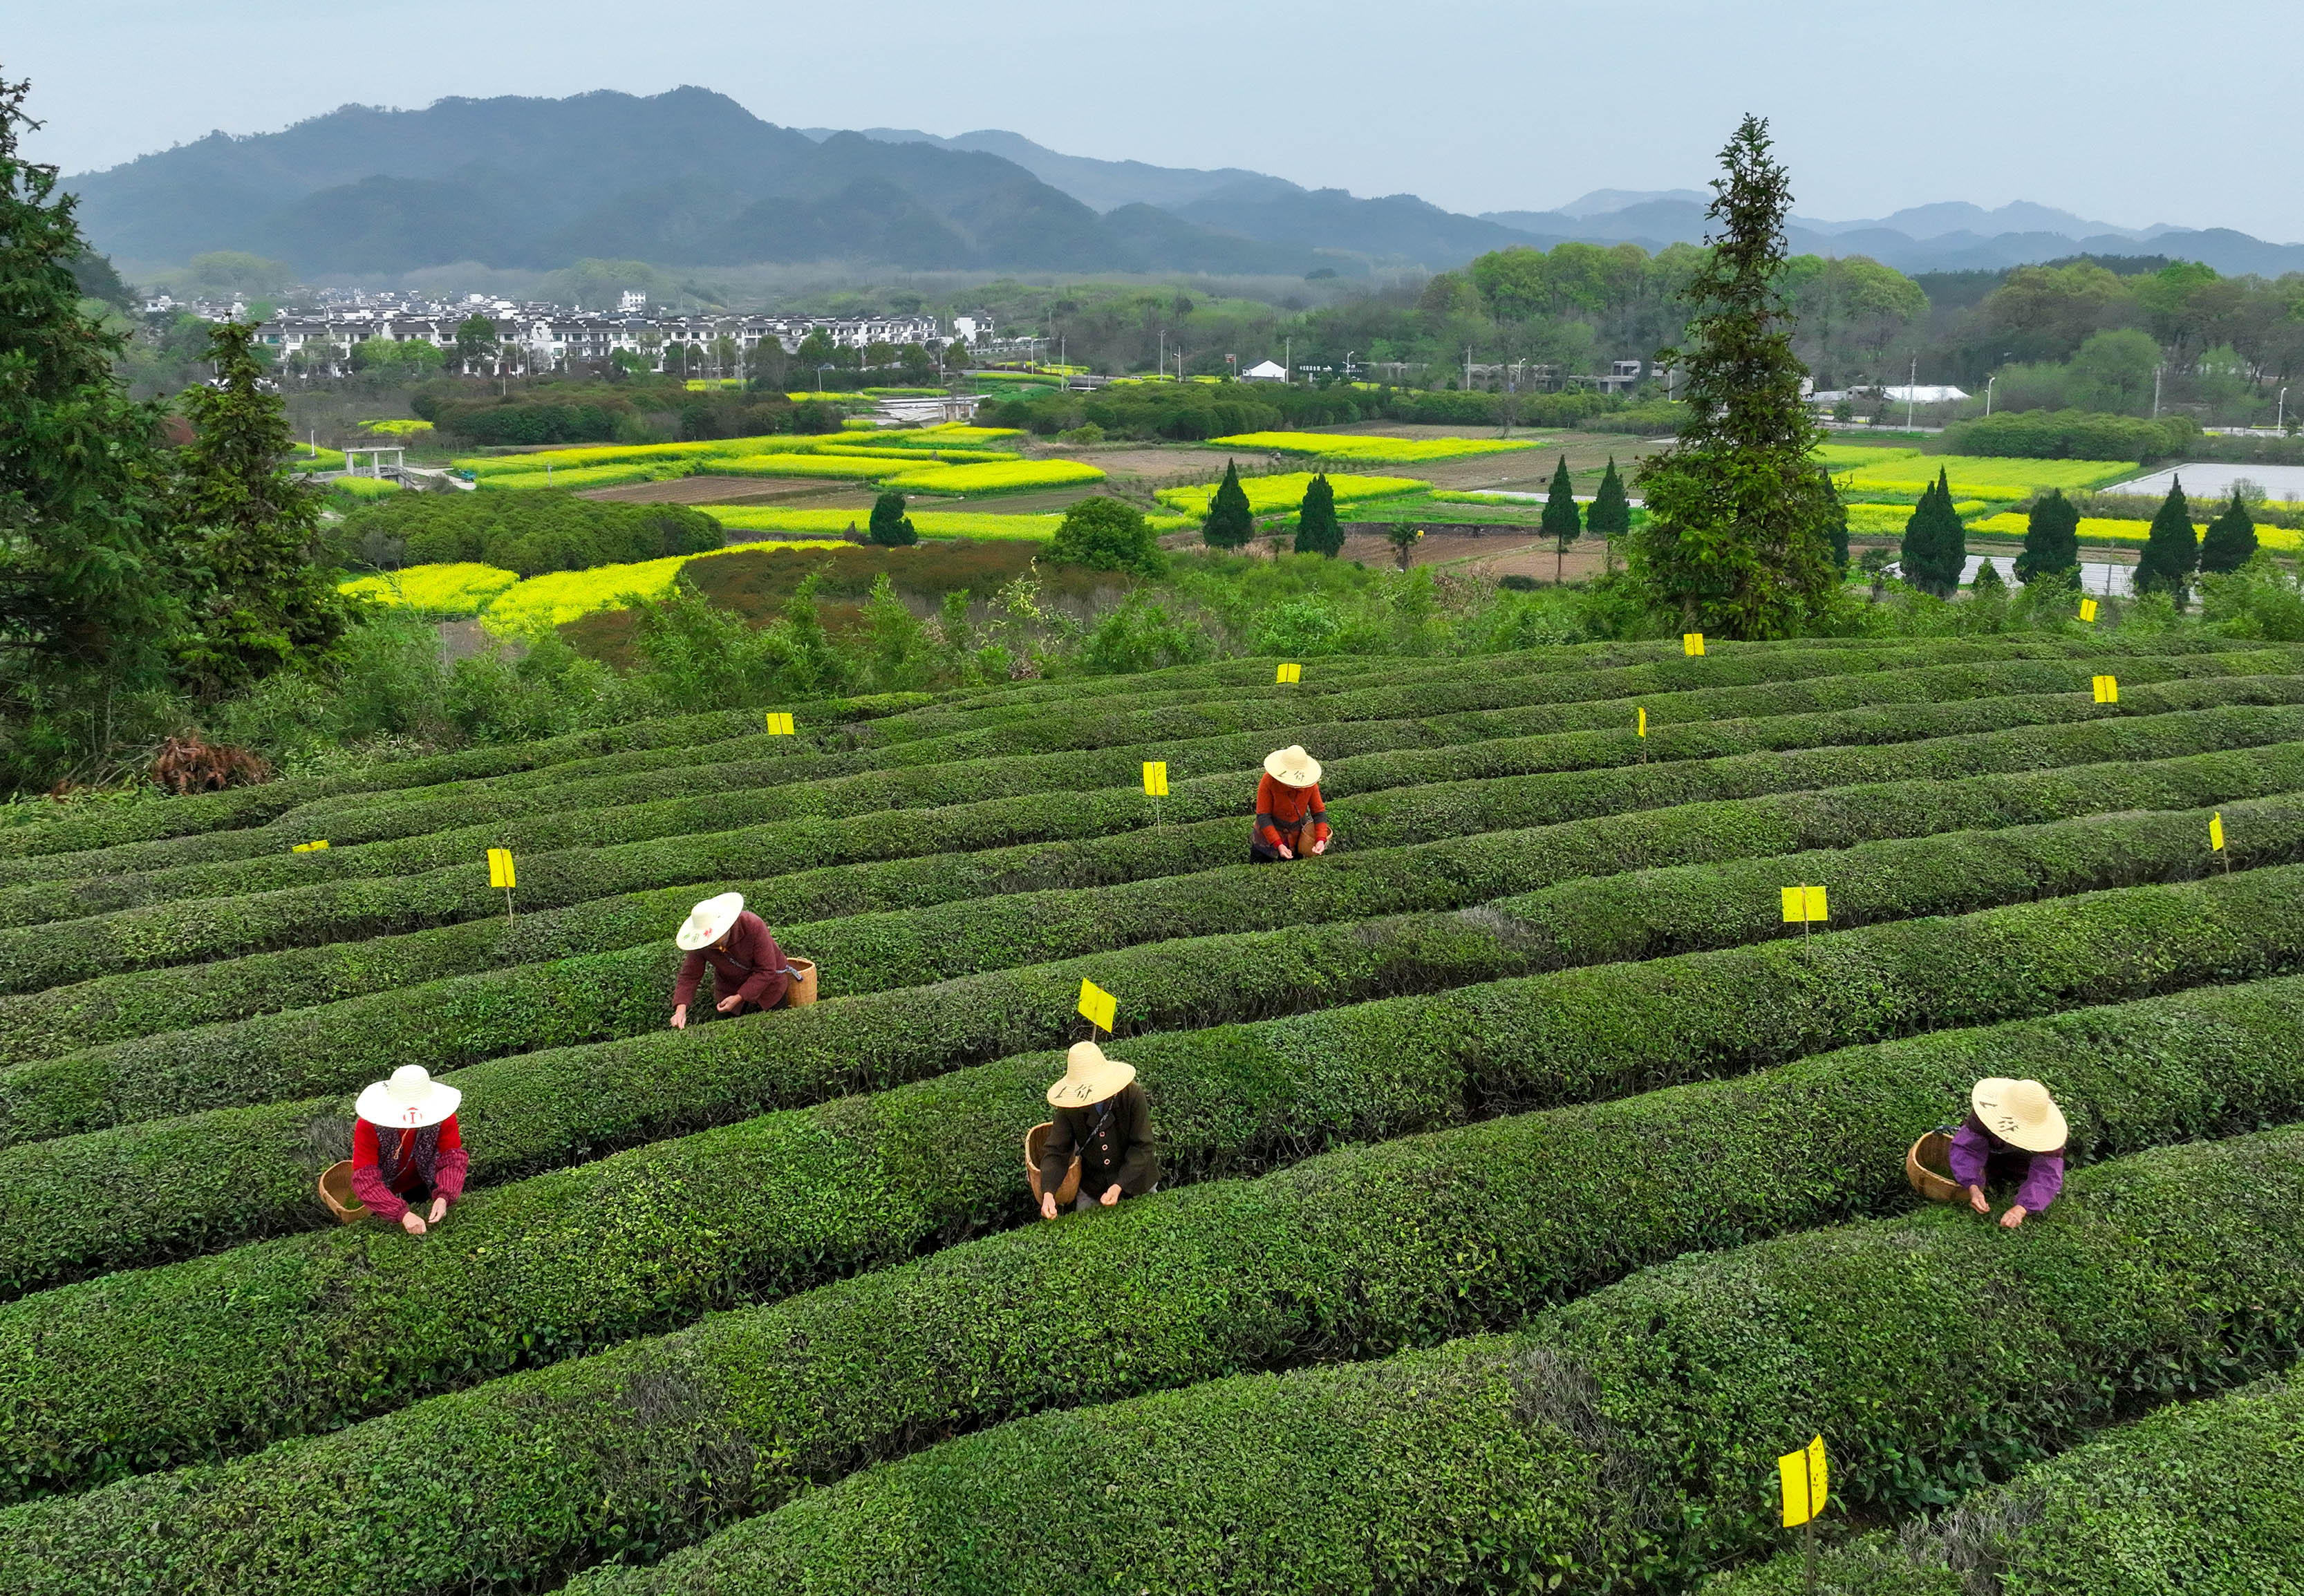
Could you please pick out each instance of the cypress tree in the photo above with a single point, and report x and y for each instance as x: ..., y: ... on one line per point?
x: 1317, y: 529
x: 2051, y: 538
x: 2170, y: 550
x: 1737, y: 539
x: 1611, y: 514
x: 86, y: 591
x: 1229, y: 523
x: 1936, y: 544
x: 1836, y: 529
x: 264, y: 601
x: 890, y: 527
x: 1563, y: 522
x: 2230, y: 542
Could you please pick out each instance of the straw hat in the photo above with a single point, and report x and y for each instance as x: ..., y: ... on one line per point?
x: 1089, y: 1077
x: 409, y: 1101
x: 709, y: 921
x: 2020, y: 1113
x: 1292, y: 765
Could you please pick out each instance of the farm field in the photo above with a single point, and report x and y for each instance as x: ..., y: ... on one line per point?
x: 1528, y: 1184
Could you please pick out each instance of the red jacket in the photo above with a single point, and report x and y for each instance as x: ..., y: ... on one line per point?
x: 389, y: 1164
x: 748, y: 963
x: 1280, y: 807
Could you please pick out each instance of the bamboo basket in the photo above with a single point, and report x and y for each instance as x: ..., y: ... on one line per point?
x: 1927, y: 1166
x: 801, y: 993
x: 1036, y: 1141
x: 337, y: 1192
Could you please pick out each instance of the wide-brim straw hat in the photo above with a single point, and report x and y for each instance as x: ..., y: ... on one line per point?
x: 1293, y: 767
x: 409, y: 1101
x: 709, y: 921
x: 1089, y: 1077
x: 2020, y: 1113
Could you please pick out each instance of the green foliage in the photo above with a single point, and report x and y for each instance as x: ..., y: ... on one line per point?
x: 2051, y: 538
x: 890, y: 527
x: 532, y: 533
x: 121, y: 1346
x: 261, y: 602
x: 1229, y: 523
x: 1935, y: 542
x: 2231, y: 539
x: 1317, y: 529
x: 1111, y: 534
x: 1430, y: 1468
x: 2171, y: 551
x: 1611, y: 514
x: 1563, y: 522
x: 1737, y: 538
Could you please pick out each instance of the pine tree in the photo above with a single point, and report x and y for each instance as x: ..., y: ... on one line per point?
x: 261, y: 601
x: 1737, y: 538
x: 1611, y: 514
x: 2051, y: 538
x: 1835, y: 527
x: 1229, y: 523
x: 86, y: 592
x: 1317, y: 529
x: 1563, y: 522
x: 2230, y: 541
x: 890, y: 527
x: 2172, y: 551
x: 1936, y: 544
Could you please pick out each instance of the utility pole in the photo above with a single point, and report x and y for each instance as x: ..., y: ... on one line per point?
x: 2280, y: 417
x: 1987, y: 392
x: 2156, y: 370
x: 1164, y: 351
x: 1467, y: 368
x: 1911, y: 391
x: 1289, y: 345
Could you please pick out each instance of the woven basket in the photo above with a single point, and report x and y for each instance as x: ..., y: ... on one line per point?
x: 1035, y: 1140
x: 337, y: 1192
x: 801, y: 993
x: 1927, y: 1166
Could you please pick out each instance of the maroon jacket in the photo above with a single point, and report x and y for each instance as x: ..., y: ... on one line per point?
x: 747, y: 962
x: 389, y: 1165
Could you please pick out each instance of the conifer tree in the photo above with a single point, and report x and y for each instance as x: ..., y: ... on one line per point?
x: 1317, y: 529
x: 1737, y: 538
x: 1563, y: 522
x: 1611, y: 514
x: 890, y: 527
x: 2052, y: 540
x: 1229, y: 523
x: 2230, y: 540
x: 2172, y: 551
x: 260, y: 601
x: 1835, y: 526
x: 86, y: 592
x: 1936, y: 544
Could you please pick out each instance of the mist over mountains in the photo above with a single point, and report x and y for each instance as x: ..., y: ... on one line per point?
x: 691, y: 178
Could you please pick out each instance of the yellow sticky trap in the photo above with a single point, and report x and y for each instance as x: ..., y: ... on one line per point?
x: 2087, y: 609
x: 500, y: 874
x: 2216, y: 831
x: 1692, y: 643
x: 1643, y: 722
x: 1804, y: 1478
x: 2105, y: 688
x: 1097, y: 1006
x: 1803, y: 904
x: 1290, y: 674
x: 1155, y: 778
x: 780, y: 724
x: 310, y: 847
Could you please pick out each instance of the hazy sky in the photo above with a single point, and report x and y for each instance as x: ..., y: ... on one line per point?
x: 2123, y: 111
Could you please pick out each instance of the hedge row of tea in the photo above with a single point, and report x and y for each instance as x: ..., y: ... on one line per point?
x: 1538, y: 1027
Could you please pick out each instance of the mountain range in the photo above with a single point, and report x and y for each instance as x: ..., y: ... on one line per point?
x: 691, y: 178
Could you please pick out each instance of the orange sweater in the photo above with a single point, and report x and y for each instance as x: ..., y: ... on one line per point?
x: 1280, y: 807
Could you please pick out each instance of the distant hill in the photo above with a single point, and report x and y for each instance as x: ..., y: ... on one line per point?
x: 691, y: 178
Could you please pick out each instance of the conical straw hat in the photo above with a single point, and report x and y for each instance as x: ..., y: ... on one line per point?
x: 2020, y: 1113
x: 1089, y: 1077
x: 409, y: 1101
x: 709, y: 921
x: 1292, y: 765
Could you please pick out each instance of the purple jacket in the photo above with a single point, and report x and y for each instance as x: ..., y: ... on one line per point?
x: 1976, y: 1154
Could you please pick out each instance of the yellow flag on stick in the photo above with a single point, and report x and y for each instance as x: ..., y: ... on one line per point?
x: 1802, y: 1474
x: 1803, y: 904
x: 2087, y: 609
x: 2216, y: 831
x: 1692, y: 643
x: 310, y: 847
x: 1099, y: 1007
x: 1643, y: 722
x: 780, y: 724
x: 1155, y: 778
x: 500, y: 873
x: 1290, y: 674
x: 2107, y: 688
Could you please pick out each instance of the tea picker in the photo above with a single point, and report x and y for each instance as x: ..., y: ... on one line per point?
x: 1099, y: 1148
x: 407, y: 1152
x: 2014, y: 1131
x: 1291, y: 819
x: 750, y: 972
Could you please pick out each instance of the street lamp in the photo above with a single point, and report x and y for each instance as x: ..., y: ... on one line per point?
x: 820, y: 370
x: 1987, y: 392
x: 2280, y: 417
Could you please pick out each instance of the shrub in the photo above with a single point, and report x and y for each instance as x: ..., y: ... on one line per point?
x: 1628, y: 1439
x: 528, y: 533
x: 2051, y: 538
x: 2070, y: 435
x: 891, y: 528
x: 1109, y: 534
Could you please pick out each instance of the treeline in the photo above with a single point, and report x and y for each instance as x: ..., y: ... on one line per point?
x: 530, y: 533
x: 1187, y: 411
x: 579, y: 411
